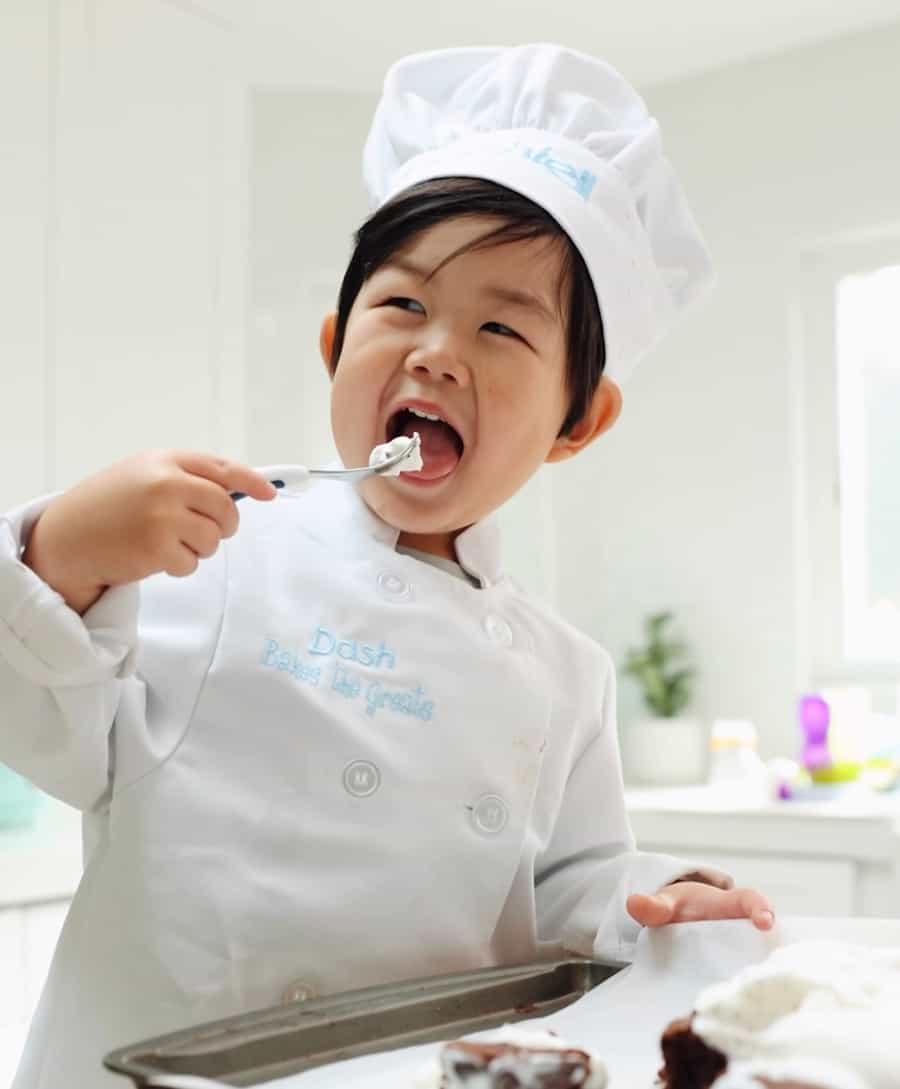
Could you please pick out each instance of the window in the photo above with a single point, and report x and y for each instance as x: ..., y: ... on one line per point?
x: 867, y: 315
x: 846, y: 338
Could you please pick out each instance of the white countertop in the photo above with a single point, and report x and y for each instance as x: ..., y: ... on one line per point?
x: 860, y: 822
x: 41, y: 863
x: 853, y: 804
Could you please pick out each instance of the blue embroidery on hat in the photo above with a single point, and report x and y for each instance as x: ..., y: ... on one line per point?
x: 582, y: 181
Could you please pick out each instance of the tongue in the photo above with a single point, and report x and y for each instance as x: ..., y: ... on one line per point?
x: 440, y: 450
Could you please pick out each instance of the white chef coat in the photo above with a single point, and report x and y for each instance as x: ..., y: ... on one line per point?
x: 315, y: 764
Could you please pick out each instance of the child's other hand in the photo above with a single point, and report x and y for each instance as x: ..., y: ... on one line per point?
x: 163, y: 510
x: 692, y: 901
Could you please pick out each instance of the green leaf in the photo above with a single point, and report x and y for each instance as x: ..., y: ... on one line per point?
x: 679, y: 690
x: 673, y: 649
x: 636, y: 661
x: 654, y: 686
x: 666, y: 691
x: 656, y: 623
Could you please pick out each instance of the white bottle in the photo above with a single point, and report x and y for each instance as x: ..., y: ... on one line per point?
x: 735, y: 766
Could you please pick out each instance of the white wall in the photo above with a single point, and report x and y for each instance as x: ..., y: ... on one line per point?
x: 693, y: 499
x: 123, y: 219
x: 306, y: 199
x: 25, y: 98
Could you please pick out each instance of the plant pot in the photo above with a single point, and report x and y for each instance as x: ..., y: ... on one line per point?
x: 665, y: 751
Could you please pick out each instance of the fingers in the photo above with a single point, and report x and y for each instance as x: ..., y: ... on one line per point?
x: 212, y: 480
x: 193, y: 509
x: 685, y: 902
x: 707, y: 875
x: 650, y: 911
x: 209, y: 500
x: 200, y: 534
x: 198, y: 538
x: 762, y: 918
x: 230, y: 475
x: 181, y: 561
x: 755, y: 907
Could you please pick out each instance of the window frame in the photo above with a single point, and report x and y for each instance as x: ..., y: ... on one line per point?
x: 812, y: 317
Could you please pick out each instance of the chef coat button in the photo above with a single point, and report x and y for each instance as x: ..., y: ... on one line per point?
x: 498, y: 630
x: 393, y: 587
x: 361, y: 778
x: 489, y: 814
x: 297, y: 992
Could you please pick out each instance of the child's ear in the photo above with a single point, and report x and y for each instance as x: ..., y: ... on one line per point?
x: 602, y: 413
x: 326, y: 340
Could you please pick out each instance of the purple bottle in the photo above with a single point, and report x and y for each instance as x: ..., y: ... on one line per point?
x: 814, y: 717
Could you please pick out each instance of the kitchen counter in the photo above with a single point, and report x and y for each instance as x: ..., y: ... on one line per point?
x: 837, y: 856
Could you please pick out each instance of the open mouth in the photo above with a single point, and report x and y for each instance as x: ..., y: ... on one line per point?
x: 442, y: 445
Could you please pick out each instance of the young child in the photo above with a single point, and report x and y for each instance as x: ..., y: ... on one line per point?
x: 344, y: 748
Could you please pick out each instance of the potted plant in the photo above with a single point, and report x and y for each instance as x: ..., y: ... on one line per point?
x: 666, y: 746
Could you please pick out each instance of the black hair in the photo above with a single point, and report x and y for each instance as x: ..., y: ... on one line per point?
x: 416, y: 209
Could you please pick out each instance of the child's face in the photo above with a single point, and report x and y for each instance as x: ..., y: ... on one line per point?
x: 480, y: 344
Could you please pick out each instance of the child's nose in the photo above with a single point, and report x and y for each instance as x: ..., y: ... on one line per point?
x: 438, y: 361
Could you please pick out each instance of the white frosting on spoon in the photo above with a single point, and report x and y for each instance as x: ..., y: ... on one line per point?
x: 412, y: 463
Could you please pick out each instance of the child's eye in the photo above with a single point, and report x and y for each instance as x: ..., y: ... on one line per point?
x: 500, y: 329
x: 402, y: 303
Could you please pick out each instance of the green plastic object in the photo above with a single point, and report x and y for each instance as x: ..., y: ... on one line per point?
x: 836, y: 773
x: 19, y: 800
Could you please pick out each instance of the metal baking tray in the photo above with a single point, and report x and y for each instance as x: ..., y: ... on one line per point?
x: 253, y: 1048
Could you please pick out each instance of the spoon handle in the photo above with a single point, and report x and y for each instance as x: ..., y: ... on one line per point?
x: 292, y: 478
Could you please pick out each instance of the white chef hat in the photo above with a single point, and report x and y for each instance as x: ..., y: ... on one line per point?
x: 568, y: 132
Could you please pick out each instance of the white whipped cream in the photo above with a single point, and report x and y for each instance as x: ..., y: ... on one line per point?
x: 810, y: 1071
x: 412, y: 463
x: 833, y: 1005
x: 527, y: 1070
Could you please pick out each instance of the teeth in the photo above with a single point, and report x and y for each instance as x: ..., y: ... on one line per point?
x: 422, y: 415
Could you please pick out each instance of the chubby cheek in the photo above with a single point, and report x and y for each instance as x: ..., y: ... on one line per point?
x: 506, y: 459
x: 519, y: 429
x: 351, y: 421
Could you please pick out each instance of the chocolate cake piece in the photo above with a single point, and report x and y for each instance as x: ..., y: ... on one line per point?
x: 501, y: 1065
x: 688, y: 1062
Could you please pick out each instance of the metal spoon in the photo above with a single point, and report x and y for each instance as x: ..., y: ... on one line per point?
x: 294, y: 478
